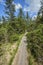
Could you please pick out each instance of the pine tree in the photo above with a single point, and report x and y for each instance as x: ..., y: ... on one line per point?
x: 3, y: 19
x: 41, y: 12
x: 9, y: 9
x: 21, y: 15
x: 0, y: 19
x: 41, y: 8
x: 27, y: 16
x: 28, y: 19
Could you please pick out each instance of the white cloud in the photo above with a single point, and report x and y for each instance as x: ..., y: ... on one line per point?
x: 34, y: 5
x: 18, y: 6
x: 26, y: 9
x: 34, y: 17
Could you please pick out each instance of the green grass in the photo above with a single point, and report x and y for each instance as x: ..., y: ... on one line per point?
x: 15, y: 51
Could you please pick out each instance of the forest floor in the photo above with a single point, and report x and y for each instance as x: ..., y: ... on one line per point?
x: 21, y: 56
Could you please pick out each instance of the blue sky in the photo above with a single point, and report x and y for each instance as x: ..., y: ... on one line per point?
x: 32, y: 6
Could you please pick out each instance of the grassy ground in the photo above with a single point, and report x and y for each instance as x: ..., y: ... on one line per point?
x: 15, y: 51
x: 8, y: 52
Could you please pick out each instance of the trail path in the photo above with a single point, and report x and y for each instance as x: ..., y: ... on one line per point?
x: 21, y: 56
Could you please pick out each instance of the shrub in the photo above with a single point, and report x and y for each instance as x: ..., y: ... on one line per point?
x: 13, y: 38
x: 2, y: 34
x: 35, y: 43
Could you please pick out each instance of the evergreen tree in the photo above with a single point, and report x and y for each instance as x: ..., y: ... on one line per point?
x: 41, y: 12
x: 21, y: 15
x: 27, y: 16
x: 28, y: 19
x: 9, y: 9
x: 3, y: 19
x: 41, y: 8
x: 0, y: 19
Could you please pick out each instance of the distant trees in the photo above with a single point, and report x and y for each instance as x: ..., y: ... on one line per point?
x: 27, y: 16
x: 21, y: 14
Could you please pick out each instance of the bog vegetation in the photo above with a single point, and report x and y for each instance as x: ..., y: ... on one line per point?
x: 35, y: 39
x: 11, y: 29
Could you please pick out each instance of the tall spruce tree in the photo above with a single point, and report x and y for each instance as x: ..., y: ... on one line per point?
x: 40, y: 12
x: 28, y: 19
x: 27, y: 16
x: 21, y: 14
x: 9, y: 9
x: 41, y: 8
